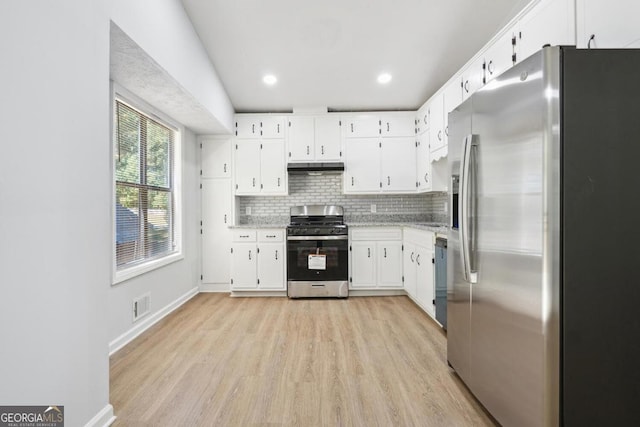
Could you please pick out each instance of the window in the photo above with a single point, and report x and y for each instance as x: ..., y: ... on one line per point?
x: 145, y: 189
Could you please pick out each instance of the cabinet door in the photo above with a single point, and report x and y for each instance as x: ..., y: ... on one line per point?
x: 422, y: 117
x: 423, y: 163
x: 472, y: 78
x: 363, y: 126
x: 612, y: 23
x: 244, y: 266
x: 397, y: 125
x: 216, y: 236
x: 301, y: 138
x: 424, y: 279
x: 328, y: 138
x: 272, y: 127
x: 398, y: 165
x: 271, y: 266
x: 363, y: 265
x: 436, y: 131
x: 389, y: 264
x: 409, y: 266
x: 216, y: 158
x: 362, y: 165
x: 549, y: 22
x: 452, y: 98
x: 499, y: 56
x: 272, y: 167
x: 247, y: 126
x: 247, y: 166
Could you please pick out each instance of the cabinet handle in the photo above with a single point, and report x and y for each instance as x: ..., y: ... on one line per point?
x: 490, y: 67
x: 224, y: 168
x: 591, y: 39
x: 253, y: 180
x: 426, y: 177
x: 466, y: 86
x: 387, y: 126
x: 249, y: 254
x: 418, y: 259
x: 253, y: 128
x: 272, y: 236
x: 388, y: 180
x: 368, y: 252
x: 225, y: 218
x: 243, y: 236
x: 278, y: 127
x: 278, y: 182
x: 439, y: 135
x: 322, y: 149
x: 276, y: 254
x: 385, y: 252
x: 351, y: 127
x: 352, y: 181
x: 425, y: 119
x: 307, y: 149
x: 412, y: 260
x: 446, y: 130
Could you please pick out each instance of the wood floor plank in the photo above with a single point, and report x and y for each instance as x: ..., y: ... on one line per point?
x: 220, y: 360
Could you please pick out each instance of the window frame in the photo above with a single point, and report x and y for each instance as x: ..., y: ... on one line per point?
x: 119, y: 275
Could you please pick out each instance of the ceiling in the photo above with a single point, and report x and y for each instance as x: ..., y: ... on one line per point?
x: 328, y: 54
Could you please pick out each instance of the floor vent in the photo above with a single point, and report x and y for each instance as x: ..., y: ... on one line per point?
x: 141, y: 306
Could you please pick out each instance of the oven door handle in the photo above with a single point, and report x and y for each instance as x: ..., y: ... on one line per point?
x: 343, y: 237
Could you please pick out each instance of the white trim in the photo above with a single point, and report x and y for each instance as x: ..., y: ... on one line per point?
x: 118, y: 276
x: 149, y: 321
x: 103, y: 418
x: 215, y: 287
x: 376, y: 292
x: 240, y: 294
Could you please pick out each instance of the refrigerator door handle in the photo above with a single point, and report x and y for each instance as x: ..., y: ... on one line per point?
x: 467, y: 205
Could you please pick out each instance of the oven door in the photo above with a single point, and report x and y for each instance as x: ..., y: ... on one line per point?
x: 317, y: 258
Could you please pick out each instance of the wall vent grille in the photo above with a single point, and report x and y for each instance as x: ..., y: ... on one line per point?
x: 141, y: 306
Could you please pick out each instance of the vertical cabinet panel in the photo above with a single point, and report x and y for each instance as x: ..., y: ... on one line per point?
x: 216, y: 158
x: 390, y: 264
x: 271, y: 266
x: 272, y: 167
x: 436, y: 130
x: 301, y: 138
x: 243, y: 266
x: 424, y: 279
x: 362, y: 168
x: 328, y: 138
x: 363, y: 264
x: 409, y: 269
x: 216, y: 236
x: 423, y: 163
x: 398, y: 168
x: 247, y: 166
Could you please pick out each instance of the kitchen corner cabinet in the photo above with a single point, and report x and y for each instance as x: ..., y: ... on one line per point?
x: 217, y: 209
x: 375, y: 258
x: 260, y: 167
x: 314, y: 138
x: 257, y: 260
x: 612, y: 23
x: 418, y: 259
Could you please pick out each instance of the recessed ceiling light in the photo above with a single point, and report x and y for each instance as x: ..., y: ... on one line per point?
x: 269, y: 79
x: 384, y: 78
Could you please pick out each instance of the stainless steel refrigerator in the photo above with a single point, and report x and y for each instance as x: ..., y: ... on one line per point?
x: 543, y: 288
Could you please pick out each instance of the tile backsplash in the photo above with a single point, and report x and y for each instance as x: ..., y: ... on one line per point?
x: 327, y: 190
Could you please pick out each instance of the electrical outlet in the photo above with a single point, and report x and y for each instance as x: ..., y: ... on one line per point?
x: 373, y: 208
x: 248, y: 210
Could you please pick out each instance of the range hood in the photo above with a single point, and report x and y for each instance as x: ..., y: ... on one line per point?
x: 314, y: 168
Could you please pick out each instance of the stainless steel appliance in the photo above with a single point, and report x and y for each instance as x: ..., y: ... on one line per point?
x: 317, y: 252
x: 440, y: 259
x: 543, y: 287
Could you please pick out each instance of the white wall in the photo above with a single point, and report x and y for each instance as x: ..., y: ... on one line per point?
x: 55, y: 205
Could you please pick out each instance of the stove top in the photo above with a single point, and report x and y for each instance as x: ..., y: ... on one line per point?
x: 317, y: 220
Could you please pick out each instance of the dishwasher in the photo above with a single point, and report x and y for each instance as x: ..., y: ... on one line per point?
x: 441, y: 281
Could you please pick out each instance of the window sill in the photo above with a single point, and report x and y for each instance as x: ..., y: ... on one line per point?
x: 138, y: 270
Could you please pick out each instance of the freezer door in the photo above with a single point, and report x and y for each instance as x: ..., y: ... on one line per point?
x: 507, y: 174
x: 458, y: 289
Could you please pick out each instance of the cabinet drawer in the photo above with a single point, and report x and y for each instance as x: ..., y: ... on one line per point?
x: 270, y: 235
x: 244, y: 235
x: 376, y: 233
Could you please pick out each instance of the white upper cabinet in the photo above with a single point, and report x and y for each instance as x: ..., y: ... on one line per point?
x: 422, y: 117
x: 247, y: 166
x: 272, y: 167
x: 423, y: 163
x: 608, y: 23
x: 550, y: 22
x: 363, y: 126
x: 398, y: 169
x: 316, y: 138
x: 472, y: 77
x: 499, y: 56
x: 260, y: 167
x: 259, y: 126
x: 362, y: 166
x: 436, y: 130
x: 216, y: 157
x: 397, y: 125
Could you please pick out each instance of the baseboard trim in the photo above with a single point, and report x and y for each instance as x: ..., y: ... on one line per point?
x: 215, y: 287
x: 147, y: 322
x: 259, y: 293
x: 104, y: 418
x: 376, y: 292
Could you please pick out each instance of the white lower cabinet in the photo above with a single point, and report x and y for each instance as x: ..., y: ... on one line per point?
x: 375, y: 258
x: 418, y: 268
x: 257, y: 260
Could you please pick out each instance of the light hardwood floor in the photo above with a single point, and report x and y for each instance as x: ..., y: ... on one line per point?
x: 218, y: 360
